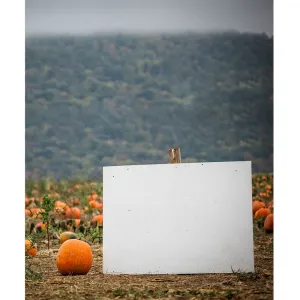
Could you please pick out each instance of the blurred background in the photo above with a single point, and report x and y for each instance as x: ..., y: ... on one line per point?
x: 121, y: 82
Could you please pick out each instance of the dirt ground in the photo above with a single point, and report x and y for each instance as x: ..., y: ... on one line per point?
x: 95, y: 285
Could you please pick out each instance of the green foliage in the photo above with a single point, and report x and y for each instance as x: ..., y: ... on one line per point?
x: 117, y: 100
x: 47, y: 205
x: 96, y: 234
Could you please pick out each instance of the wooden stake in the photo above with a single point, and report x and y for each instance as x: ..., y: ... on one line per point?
x: 174, y: 156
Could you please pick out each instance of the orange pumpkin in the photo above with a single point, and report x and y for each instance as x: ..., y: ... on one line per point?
x: 262, y: 213
x: 27, y: 212
x: 59, y: 212
x: 77, y: 222
x: 77, y: 186
x: 61, y: 204
x: 269, y: 223
x: 35, y: 212
x: 27, y: 201
x: 55, y: 195
x: 95, y: 204
x: 75, y: 202
x: 92, y: 197
x: 73, y: 213
x: 99, y: 219
x: 30, y: 248
x: 99, y: 206
x: 268, y: 187
x: 67, y: 235
x: 40, y: 226
x: 74, y: 257
x: 256, y: 205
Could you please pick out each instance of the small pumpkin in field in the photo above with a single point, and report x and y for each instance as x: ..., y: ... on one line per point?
x: 30, y: 248
x: 98, y: 219
x: 35, y: 212
x: 61, y: 204
x: 256, y: 205
x: 93, y: 204
x: 59, y: 212
x: 74, y: 257
x: 27, y: 201
x: 55, y: 195
x: 67, y: 235
x: 75, y: 202
x: 269, y: 223
x: 77, y: 187
x: 93, y: 196
x: 40, y: 226
x: 77, y: 222
x: 268, y: 187
x: 73, y: 213
x: 262, y: 213
x: 96, y: 204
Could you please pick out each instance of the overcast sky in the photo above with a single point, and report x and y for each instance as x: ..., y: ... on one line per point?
x: 152, y: 16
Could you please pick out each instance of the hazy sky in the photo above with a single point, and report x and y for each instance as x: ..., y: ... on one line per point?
x: 91, y: 16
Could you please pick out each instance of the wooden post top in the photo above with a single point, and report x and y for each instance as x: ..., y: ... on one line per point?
x: 174, y: 156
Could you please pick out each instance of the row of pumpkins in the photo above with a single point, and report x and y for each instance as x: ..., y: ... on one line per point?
x: 74, y: 256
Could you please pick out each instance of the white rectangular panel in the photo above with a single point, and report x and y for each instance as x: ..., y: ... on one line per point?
x: 178, y: 218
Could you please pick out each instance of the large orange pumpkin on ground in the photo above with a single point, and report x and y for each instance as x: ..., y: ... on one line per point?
x: 74, y: 257
x: 99, y: 219
x: 73, y: 213
x: 262, y: 213
x: 30, y: 249
x: 67, y: 235
x: 269, y: 223
x: 256, y: 205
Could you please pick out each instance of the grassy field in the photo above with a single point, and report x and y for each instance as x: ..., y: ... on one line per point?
x: 43, y: 281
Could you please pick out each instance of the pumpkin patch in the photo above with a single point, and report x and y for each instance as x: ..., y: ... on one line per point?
x: 76, y: 228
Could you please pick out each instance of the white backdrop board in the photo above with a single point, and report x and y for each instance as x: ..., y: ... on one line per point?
x: 182, y: 218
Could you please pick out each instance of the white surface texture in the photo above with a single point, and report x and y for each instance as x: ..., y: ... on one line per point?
x: 183, y: 218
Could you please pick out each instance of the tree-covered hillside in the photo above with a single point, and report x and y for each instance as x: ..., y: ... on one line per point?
x: 114, y: 100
